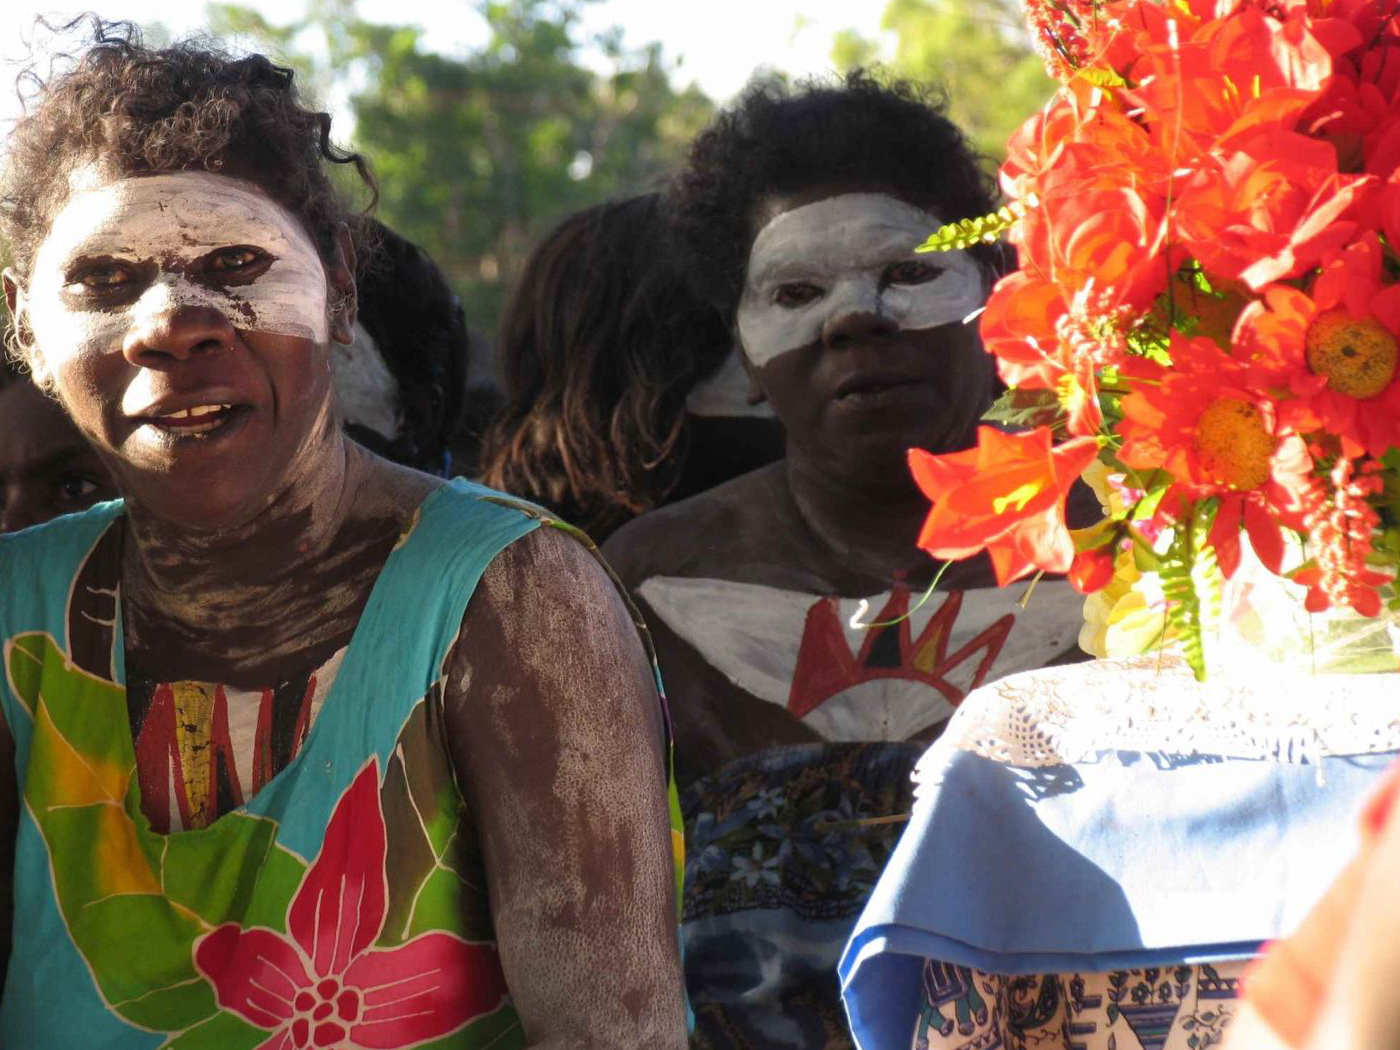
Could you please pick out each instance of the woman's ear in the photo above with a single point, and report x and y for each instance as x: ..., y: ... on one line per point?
x: 341, y: 273
x: 21, y: 338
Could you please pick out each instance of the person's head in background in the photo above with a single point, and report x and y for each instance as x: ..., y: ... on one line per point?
x: 599, y: 345
x: 46, y: 468
x: 400, y: 385
x: 797, y: 215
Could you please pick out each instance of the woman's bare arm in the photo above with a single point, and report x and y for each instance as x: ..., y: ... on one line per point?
x: 556, y: 736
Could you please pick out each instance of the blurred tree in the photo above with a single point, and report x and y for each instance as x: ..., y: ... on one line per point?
x: 978, y: 51
x: 477, y: 154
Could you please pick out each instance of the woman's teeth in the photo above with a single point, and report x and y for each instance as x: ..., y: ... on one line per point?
x: 198, y: 419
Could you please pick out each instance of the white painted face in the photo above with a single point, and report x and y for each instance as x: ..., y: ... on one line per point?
x: 852, y: 253
x: 209, y: 240
x: 726, y: 393
x: 365, y: 389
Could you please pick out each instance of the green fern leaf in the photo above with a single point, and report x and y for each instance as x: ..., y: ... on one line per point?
x: 966, y: 232
x: 1192, y: 585
x: 1101, y: 77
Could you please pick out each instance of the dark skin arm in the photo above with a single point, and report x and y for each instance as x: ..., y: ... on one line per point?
x: 557, y: 739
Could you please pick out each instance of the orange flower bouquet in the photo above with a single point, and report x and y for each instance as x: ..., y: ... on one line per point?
x: 1207, y: 216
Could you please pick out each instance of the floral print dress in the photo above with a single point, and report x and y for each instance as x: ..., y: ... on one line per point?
x: 343, y: 905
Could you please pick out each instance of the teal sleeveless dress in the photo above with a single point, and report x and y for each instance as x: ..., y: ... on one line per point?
x: 345, y: 905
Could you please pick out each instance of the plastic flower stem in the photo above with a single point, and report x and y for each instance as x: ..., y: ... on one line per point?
x: 1312, y: 636
x: 923, y: 600
x: 1171, y: 169
x: 1030, y: 589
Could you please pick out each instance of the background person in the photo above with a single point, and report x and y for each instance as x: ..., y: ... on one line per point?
x: 796, y: 731
x: 46, y: 468
x: 402, y: 381
x: 599, y: 348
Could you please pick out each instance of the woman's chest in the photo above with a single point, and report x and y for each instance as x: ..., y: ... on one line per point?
x: 748, y: 666
x: 204, y: 748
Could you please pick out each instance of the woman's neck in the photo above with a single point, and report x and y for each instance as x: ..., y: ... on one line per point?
x: 864, y: 527
x: 188, y: 569
x: 246, y: 604
x: 869, y: 527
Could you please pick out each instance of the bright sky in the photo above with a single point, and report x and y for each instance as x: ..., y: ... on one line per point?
x: 718, y: 42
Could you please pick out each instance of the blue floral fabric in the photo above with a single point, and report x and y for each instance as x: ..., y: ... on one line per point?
x: 784, y: 847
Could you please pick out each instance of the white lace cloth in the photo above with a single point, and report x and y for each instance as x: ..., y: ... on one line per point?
x: 1152, y: 703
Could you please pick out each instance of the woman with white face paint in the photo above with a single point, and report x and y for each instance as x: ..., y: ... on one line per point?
x: 797, y: 729
x: 302, y: 748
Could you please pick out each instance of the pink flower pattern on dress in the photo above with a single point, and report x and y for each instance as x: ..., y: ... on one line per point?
x: 323, y: 985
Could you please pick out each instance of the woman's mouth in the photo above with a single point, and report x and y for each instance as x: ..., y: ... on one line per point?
x: 195, y: 421
x: 875, y: 387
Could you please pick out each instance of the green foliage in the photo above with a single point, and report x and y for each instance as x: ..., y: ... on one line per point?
x: 478, y: 154
x: 976, y: 50
x: 1025, y: 407
x: 1192, y: 584
x: 966, y: 232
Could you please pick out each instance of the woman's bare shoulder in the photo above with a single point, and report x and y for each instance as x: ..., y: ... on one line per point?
x: 723, y: 526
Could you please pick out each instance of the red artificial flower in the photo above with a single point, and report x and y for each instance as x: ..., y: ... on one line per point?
x: 1200, y: 421
x: 1203, y: 86
x: 1019, y: 328
x: 1092, y: 570
x: 1095, y: 195
x: 1041, y: 342
x: 1006, y: 496
x: 324, y: 983
x: 1357, y: 110
x: 1340, y: 522
x: 1205, y: 423
x: 1334, y: 352
x: 1269, y: 210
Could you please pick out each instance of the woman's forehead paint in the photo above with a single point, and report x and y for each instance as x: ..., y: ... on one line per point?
x: 173, y: 220
x: 842, y: 245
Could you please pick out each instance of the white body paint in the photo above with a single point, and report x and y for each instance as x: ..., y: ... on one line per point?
x: 843, y: 245
x: 174, y: 220
x: 365, y: 389
x: 726, y: 393
x: 753, y: 635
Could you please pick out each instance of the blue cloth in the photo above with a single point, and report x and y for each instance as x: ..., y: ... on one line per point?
x: 1132, y: 860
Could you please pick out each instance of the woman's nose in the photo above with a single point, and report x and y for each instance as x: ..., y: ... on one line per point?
x: 856, y: 326
x: 174, y: 328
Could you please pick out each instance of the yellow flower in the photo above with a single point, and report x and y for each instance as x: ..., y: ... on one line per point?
x: 1107, y: 487
x: 1128, y: 616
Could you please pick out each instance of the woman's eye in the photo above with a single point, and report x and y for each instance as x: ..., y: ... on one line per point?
x: 911, y: 271
x: 101, y: 278
x: 796, y: 293
x: 232, y: 260
x: 76, y: 487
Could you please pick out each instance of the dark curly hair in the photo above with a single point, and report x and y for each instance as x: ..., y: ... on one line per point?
x: 190, y: 106
x: 599, y: 344
x: 776, y: 139
x: 417, y: 322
